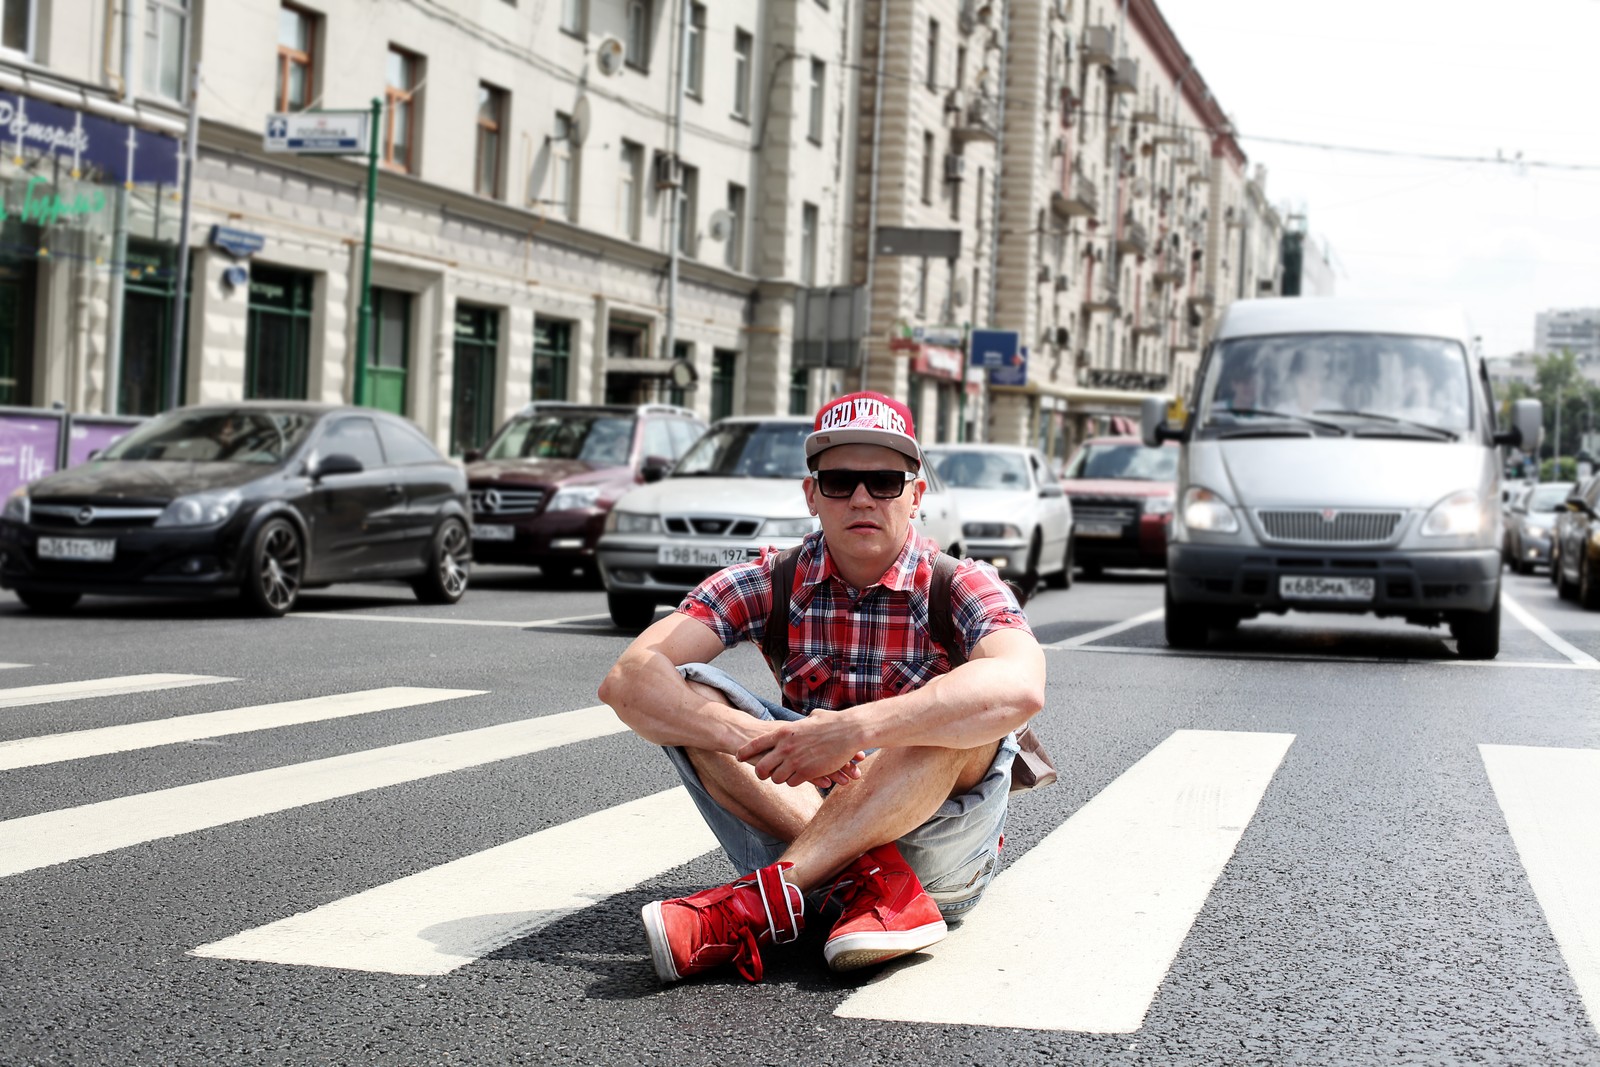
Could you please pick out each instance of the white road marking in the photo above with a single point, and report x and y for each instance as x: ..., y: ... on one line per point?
x: 1079, y: 933
x: 1545, y: 634
x: 440, y: 919
x: 1107, y: 631
x: 13, y: 666
x: 1323, y: 657
x: 570, y: 618
x: 1549, y: 797
x: 339, y: 616
x: 22, y: 696
x: 55, y: 748
x: 53, y: 837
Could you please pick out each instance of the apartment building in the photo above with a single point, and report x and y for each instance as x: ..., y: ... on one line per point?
x: 1576, y: 330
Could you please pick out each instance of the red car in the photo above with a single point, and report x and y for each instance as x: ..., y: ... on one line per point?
x: 1122, y: 498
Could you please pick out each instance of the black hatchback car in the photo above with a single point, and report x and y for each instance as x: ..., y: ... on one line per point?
x: 260, y: 499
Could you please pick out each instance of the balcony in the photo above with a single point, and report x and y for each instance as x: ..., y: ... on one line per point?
x: 1170, y: 268
x: 1084, y: 200
x: 1097, y: 45
x: 1125, y: 76
x: 1203, y: 298
x: 978, y: 121
x: 1145, y: 110
x: 1188, y: 339
x: 1102, y: 297
x: 1132, y: 240
x: 1152, y: 320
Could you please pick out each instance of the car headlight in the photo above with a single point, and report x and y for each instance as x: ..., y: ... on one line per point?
x: 788, y: 527
x: 633, y: 522
x: 1158, y: 505
x: 990, y: 531
x: 17, y: 505
x: 1457, y: 515
x: 199, y: 509
x: 1205, y: 510
x: 578, y: 496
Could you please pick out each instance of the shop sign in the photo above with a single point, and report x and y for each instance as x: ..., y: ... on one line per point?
x: 1131, y: 380
x: 906, y: 337
x: 1000, y: 353
x: 85, y: 142
x: 42, y: 206
x: 335, y: 133
x: 936, y: 361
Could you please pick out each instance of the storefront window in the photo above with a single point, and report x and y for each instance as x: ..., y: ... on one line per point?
x: 147, y: 311
x: 391, y: 350
x: 278, y: 337
x: 552, y: 356
x: 16, y: 324
x: 472, y: 396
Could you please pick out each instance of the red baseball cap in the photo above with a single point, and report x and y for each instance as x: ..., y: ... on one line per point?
x: 864, y: 419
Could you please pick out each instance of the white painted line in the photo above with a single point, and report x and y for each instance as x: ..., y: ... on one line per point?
x: 80, y: 744
x: 1545, y: 634
x: 22, y: 696
x: 1550, y: 797
x: 1079, y: 933
x: 570, y: 618
x: 444, y: 918
x: 1319, y: 657
x: 1107, y: 631
x: 339, y: 616
x: 72, y: 833
x: 13, y: 666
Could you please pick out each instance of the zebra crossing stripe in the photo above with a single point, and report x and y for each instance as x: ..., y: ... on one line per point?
x: 1550, y: 797
x: 13, y: 666
x: 80, y: 744
x: 448, y: 916
x: 22, y: 696
x: 53, y: 837
x: 1079, y: 933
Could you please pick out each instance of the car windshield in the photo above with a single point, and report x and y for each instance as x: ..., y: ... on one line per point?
x: 748, y: 450
x: 253, y: 436
x: 1393, y: 380
x: 604, y: 440
x: 1005, y: 471
x: 1130, y: 462
x: 1550, y: 497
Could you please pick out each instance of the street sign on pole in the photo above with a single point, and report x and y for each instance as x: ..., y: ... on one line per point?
x: 332, y: 133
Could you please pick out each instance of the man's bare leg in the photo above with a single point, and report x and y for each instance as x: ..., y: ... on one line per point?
x: 780, y: 810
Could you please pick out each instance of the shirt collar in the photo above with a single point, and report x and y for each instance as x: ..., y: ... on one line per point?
x: 901, y: 574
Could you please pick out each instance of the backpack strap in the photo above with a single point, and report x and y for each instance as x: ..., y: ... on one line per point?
x: 775, y: 642
x: 941, y: 609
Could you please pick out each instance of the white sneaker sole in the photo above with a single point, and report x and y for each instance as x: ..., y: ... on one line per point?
x: 853, y: 951
x: 660, y: 951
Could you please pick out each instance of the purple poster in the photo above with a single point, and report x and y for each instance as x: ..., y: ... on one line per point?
x: 29, y: 445
x: 89, y: 435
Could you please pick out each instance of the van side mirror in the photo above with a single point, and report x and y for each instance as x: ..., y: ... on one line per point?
x: 1153, y: 428
x: 1527, y: 426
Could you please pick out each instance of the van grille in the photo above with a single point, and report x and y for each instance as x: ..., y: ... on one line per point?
x: 1333, y: 526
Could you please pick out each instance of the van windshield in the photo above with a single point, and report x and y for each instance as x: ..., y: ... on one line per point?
x: 1343, y: 378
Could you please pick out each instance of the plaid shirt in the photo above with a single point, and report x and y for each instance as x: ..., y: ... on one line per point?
x: 849, y: 647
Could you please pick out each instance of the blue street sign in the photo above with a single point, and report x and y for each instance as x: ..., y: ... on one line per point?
x: 993, y: 348
x: 1013, y: 372
x: 239, y: 243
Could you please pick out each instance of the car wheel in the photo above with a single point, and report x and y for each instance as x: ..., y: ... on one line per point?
x: 1567, y: 590
x: 1588, y: 585
x: 1064, y: 579
x: 1477, y: 633
x: 1555, y: 565
x: 1186, y: 626
x: 274, y: 566
x: 48, y: 602
x: 631, y: 611
x: 449, y: 561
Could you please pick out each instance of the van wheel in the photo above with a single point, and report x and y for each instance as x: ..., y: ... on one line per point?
x: 46, y: 602
x: 1064, y: 579
x: 1186, y: 627
x: 1588, y: 586
x: 449, y: 561
x: 1477, y: 633
x: 629, y: 611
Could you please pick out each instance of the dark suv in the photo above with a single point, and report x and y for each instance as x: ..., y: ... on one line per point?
x: 543, y: 485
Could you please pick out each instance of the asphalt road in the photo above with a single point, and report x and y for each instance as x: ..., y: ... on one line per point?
x: 1321, y: 841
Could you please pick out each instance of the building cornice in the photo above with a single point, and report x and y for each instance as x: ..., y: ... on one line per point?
x: 1158, y: 36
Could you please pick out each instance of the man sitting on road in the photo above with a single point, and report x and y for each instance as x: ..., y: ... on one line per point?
x: 903, y: 838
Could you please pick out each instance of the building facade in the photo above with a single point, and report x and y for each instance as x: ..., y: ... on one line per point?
x: 1575, y: 330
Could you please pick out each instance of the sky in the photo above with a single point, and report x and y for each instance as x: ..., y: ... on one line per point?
x: 1463, y: 78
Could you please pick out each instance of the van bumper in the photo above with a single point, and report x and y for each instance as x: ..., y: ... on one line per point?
x: 1247, y: 579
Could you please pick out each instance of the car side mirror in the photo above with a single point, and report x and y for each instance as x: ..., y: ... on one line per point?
x: 337, y: 463
x: 1153, y: 428
x: 1051, y: 491
x: 471, y: 455
x: 654, y: 468
x: 1527, y: 426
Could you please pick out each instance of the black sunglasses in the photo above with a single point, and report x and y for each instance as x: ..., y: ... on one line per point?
x: 841, y: 482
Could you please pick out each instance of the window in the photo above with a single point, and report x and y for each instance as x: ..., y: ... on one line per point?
x: 743, y: 54
x: 637, y: 53
x: 733, y: 247
x: 277, y: 347
x: 390, y: 360
x: 472, y: 394
x: 933, y: 54
x: 694, y: 67
x: 297, y: 34
x: 356, y: 437
x: 819, y: 75
x: 978, y: 201
x: 552, y: 356
x: 491, y: 124
x: 953, y: 185
x: 562, y: 198
x: 922, y: 289
x: 799, y: 390
x: 723, y: 368
x: 404, y: 446
x: 927, y: 168
x: 961, y: 67
x: 16, y: 26
x: 165, y: 35
x: 404, y: 75
x: 630, y: 185
x: 573, y: 18
x: 688, y: 210
x: 808, y: 244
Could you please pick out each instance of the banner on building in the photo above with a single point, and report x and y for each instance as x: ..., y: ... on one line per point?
x: 87, y: 145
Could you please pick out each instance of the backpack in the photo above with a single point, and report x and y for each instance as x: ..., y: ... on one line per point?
x: 1033, y: 766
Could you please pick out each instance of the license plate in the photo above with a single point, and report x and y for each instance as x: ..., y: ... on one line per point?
x: 1098, y: 529
x: 492, y: 532
x: 94, y: 550
x: 698, y: 556
x: 1294, y: 587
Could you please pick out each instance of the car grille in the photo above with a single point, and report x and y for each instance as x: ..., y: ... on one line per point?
x: 711, y: 526
x: 497, y: 501
x: 1119, y: 510
x: 1313, y: 526
x: 72, y: 515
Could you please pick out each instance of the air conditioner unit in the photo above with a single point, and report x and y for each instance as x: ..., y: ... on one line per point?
x: 1044, y: 275
x: 955, y: 167
x: 1063, y: 337
x: 669, y: 171
x: 1063, y: 283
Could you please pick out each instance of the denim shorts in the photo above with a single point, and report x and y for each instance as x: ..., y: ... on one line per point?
x: 955, y: 853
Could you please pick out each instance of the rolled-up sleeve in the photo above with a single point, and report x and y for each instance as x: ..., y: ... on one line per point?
x: 733, y: 603
x: 983, y: 603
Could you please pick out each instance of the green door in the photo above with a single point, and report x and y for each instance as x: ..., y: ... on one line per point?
x: 277, y: 349
x: 472, y: 406
x: 391, y: 350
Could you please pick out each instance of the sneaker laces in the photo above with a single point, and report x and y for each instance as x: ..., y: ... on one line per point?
x: 850, y: 888
x: 724, y: 927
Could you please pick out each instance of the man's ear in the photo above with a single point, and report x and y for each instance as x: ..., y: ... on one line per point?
x: 810, y: 488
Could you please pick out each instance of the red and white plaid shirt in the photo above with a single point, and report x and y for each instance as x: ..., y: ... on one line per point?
x: 849, y: 647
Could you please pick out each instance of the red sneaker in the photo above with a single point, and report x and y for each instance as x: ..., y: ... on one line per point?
x: 887, y: 913
x: 726, y: 924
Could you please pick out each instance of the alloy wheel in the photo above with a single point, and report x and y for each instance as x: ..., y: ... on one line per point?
x: 453, y: 552
x: 279, y: 569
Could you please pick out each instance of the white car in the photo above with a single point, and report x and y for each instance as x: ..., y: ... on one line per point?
x: 1014, y: 512
x: 735, y: 492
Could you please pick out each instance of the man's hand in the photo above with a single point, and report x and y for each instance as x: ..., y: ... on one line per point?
x: 821, y: 749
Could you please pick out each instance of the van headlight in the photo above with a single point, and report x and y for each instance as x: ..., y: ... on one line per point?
x: 573, y: 498
x: 17, y: 505
x: 1205, y: 510
x: 1457, y: 515
x: 199, y: 509
x: 788, y: 527
x: 632, y: 522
